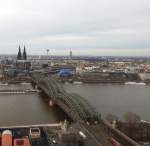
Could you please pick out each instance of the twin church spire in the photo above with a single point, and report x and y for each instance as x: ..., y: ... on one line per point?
x: 21, y: 56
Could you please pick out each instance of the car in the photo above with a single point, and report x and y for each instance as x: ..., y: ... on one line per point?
x: 35, y: 133
x: 22, y: 141
x: 6, y: 138
x: 114, y: 142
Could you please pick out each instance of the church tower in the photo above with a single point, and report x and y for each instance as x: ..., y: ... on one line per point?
x: 24, y: 54
x: 22, y: 63
x: 19, y: 56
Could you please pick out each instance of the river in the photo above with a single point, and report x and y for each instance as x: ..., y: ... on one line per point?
x: 115, y: 99
x: 24, y: 109
x: 20, y: 109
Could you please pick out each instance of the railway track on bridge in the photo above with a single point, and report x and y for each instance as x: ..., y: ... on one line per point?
x: 79, y: 110
x: 75, y: 106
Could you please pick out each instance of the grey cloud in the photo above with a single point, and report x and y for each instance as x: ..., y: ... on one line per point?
x: 84, y: 24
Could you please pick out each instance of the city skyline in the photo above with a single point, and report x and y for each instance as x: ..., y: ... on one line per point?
x: 110, y: 27
x: 86, y: 52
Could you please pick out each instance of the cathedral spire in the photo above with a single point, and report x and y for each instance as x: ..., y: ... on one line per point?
x: 24, y: 53
x: 19, y: 56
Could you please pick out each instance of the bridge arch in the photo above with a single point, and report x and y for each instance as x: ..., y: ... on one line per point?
x: 74, y: 105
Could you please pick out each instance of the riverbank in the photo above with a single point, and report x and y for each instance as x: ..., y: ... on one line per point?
x: 105, y: 78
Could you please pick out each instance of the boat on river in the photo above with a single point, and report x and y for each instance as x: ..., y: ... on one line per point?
x: 135, y: 83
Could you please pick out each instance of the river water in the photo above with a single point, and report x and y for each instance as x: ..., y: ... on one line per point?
x: 115, y: 99
x: 20, y: 109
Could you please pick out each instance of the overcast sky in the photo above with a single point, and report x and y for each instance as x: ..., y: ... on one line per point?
x: 96, y: 27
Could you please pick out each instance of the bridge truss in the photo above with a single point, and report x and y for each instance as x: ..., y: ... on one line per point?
x: 74, y: 105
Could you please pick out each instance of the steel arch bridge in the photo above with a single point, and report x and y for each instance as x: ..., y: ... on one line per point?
x: 73, y: 105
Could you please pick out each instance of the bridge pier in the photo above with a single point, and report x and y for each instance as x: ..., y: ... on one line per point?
x: 51, y: 103
x: 37, y: 87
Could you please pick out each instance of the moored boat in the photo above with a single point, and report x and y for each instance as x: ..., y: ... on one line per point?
x: 135, y: 83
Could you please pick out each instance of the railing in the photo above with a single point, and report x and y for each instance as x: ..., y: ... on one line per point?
x: 34, y: 125
x: 119, y: 136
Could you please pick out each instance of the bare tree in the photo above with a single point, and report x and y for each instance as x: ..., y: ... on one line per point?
x: 132, y: 118
x: 133, y: 121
